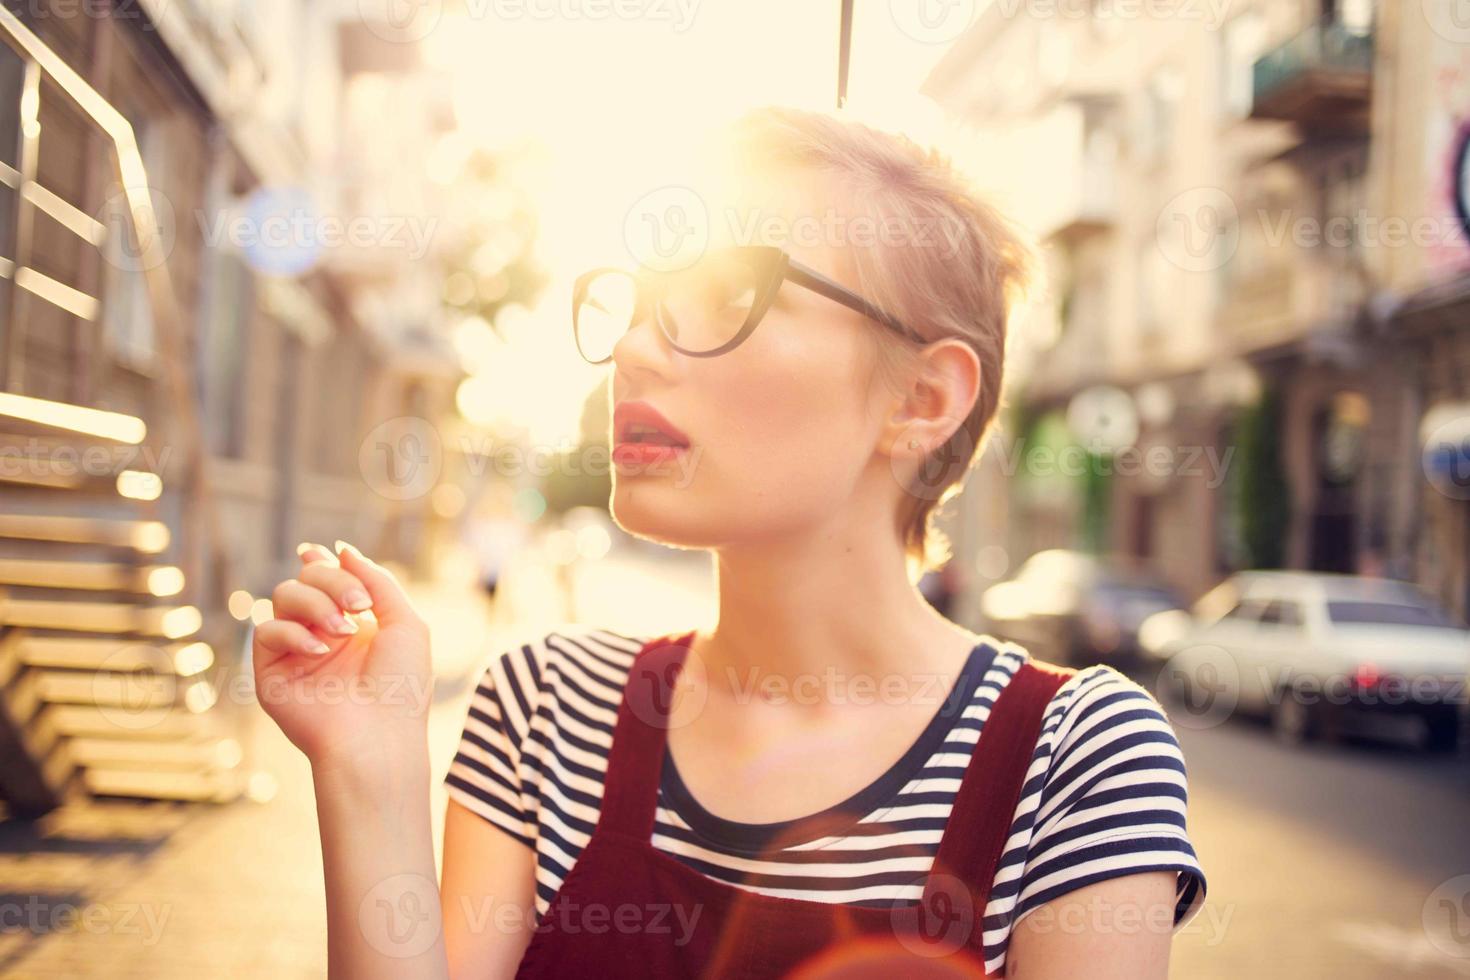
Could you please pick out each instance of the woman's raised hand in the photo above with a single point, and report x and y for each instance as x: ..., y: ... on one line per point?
x: 345, y: 664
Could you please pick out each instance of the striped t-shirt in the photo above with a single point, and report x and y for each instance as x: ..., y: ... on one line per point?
x: 1104, y: 797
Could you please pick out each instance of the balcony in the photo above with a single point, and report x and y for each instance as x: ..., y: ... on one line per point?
x: 1079, y: 144
x: 1322, y: 79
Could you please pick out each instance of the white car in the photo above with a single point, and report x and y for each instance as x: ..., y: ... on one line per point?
x: 1318, y: 654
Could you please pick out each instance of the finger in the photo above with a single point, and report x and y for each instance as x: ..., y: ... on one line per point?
x: 294, y: 599
x: 310, y: 552
x: 283, y: 636
x: 390, y: 602
x: 344, y: 588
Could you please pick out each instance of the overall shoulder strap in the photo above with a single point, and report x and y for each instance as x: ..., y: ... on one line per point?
x: 980, y: 822
x: 630, y: 785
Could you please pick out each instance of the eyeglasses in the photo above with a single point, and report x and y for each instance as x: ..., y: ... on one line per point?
x: 704, y: 310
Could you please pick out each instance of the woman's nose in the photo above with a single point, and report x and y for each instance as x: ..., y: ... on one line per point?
x: 643, y: 346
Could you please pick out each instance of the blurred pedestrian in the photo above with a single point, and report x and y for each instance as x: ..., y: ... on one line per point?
x: 495, y: 539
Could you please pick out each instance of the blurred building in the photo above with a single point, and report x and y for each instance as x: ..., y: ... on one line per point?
x: 1422, y: 318
x: 211, y: 301
x: 1224, y: 211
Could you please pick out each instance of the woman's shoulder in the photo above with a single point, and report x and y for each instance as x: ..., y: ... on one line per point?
x: 1096, y: 703
x: 584, y: 660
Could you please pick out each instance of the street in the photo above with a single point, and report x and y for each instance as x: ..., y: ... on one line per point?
x: 1322, y: 862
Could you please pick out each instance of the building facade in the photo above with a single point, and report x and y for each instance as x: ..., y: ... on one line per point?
x: 203, y: 328
x: 1224, y: 208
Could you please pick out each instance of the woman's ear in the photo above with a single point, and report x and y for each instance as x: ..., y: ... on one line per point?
x: 941, y: 391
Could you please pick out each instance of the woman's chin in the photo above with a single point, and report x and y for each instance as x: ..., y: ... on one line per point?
x: 644, y: 515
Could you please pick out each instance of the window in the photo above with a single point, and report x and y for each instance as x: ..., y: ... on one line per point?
x: 127, y: 312
x: 1162, y: 95
x: 1282, y: 612
x: 1245, y: 611
x: 224, y: 349
x: 1243, y: 41
x: 1388, y: 614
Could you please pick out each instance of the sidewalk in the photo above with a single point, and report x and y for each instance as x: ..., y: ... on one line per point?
x: 168, y: 891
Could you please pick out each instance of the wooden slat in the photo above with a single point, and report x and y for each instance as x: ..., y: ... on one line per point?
x: 36, y: 770
x: 146, y: 537
x: 163, y: 755
x: 157, y: 723
x: 110, y: 653
x: 126, y: 693
x: 170, y: 622
x: 93, y: 575
x: 208, y: 787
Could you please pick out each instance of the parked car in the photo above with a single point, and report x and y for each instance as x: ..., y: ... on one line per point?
x: 1072, y: 608
x: 1321, y: 654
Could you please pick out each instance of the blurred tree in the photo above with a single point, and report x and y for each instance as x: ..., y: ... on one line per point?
x: 491, y: 259
x: 581, y: 477
x: 1097, y: 492
x: 568, y: 485
x: 1264, y: 508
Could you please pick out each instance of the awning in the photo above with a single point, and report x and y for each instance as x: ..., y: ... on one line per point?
x: 1441, y: 304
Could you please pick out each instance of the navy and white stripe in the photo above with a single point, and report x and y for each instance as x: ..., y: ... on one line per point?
x: 1105, y: 795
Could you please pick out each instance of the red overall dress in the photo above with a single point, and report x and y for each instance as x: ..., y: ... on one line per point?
x: 629, y: 910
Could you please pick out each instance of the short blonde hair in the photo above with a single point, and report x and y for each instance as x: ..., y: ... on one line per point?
x: 965, y: 284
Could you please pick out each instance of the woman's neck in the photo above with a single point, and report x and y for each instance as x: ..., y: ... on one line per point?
x: 823, y: 604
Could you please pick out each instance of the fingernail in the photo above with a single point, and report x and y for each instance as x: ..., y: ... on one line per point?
x: 317, y: 646
x: 341, y: 626
x: 304, y: 547
x: 356, y: 600
x: 342, y: 546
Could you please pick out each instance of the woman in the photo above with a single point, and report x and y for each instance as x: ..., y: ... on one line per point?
x: 834, y: 774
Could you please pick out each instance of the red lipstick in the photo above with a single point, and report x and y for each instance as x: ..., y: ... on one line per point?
x: 642, y: 436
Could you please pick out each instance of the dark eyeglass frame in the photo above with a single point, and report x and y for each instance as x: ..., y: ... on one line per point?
x: 776, y: 266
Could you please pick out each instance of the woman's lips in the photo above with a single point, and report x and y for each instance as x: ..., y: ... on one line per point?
x: 642, y: 454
